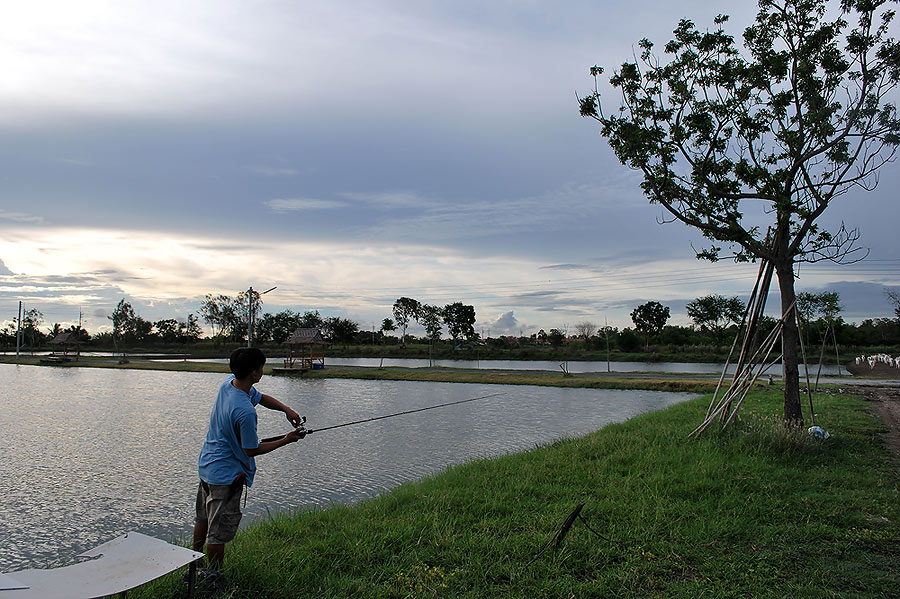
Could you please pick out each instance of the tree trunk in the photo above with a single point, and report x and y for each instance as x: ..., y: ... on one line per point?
x: 793, y: 416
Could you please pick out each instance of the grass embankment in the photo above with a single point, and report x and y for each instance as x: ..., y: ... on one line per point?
x: 751, y: 512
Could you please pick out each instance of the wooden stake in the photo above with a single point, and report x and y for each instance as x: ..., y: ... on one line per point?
x: 812, y: 414
x: 570, y: 519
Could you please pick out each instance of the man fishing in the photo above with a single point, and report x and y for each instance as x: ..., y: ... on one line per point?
x: 226, y: 461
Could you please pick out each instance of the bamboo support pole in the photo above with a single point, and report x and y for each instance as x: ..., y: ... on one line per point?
x: 812, y: 414
x: 822, y: 356
x: 741, y: 385
x: 725, y: 368
x: 759, y: 307
x: 745, y: 322
x: 762, y: 368
x: 745, y: 379
x: 837, y: 356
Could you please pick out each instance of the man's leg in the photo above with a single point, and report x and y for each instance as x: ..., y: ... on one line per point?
x: 223, y: 511
x: 215, y: 555
x: 200, y: 531
x: 201, y: 521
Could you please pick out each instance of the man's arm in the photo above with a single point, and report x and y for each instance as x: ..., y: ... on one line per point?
x: 270, y: 402
x: 267, y: 446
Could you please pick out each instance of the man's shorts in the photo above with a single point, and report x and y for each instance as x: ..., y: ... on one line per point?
x: 220, y: 507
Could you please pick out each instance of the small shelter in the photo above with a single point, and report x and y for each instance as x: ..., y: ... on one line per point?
x: 306, y: 350
x: 65, y: 346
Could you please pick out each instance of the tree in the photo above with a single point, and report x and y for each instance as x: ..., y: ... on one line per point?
x: 556, y: 337
x: 340, y: 330
x: 714, y: 313
x: 8, y: 333
x: 167, y: 329
x: 806, y: 308
x: 277, y: 327
x: 128, y: 327
x: 826, y: 307
x: 228, y: 316
x: 387, y: 325
x: 32, y: 320
x: 430, y: 318
x: 212, y: 310
x: 121, y: 317
x: 80, y: 334
x: 311, y: 319
x: 460, y: 320
x: 650, y: 318
x: 894, y: 298
x: 190, y: 331
x: 405, y: 309
x: 725, y: 139
x: 585, y: 329
x: 629, y: 341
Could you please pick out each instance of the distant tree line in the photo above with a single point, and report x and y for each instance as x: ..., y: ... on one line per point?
x: 715, y: 322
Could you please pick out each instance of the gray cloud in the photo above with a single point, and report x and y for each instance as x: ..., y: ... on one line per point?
x: 392, y: 200
x: 21, y: 217
x: 302, y: 204
x: 565, y: 267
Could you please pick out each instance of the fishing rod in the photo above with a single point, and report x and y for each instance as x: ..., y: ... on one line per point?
x: 302, y: 428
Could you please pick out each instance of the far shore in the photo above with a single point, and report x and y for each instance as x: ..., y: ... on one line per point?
x: 650, y: 380
x: 616, y: 380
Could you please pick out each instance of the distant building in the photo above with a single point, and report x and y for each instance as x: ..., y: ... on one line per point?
x: 66, y: 344
x: 306, y: 350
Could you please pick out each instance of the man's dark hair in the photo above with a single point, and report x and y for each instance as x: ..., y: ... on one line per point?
x: 245, y: 360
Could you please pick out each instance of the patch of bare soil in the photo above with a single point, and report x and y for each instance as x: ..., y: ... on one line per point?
x: 885, y: 403
x: 879, y: 371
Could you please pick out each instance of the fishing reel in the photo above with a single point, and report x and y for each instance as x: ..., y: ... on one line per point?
x: 301, y: 428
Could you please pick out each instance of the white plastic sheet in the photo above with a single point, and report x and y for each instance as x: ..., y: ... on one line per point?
x: 121, y: 564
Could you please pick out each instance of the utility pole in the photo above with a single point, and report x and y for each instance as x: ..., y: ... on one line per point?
x: 250, y: 317
x: 19, y: 330
x: 606, y: 331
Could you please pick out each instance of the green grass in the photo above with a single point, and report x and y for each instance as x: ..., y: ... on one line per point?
x: 754, y: 511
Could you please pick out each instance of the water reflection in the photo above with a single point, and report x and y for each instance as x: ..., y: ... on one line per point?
x: 88, y: 454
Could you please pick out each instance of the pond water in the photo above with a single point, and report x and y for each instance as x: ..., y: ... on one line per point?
x: 572, y: 366
x: 88, y: 454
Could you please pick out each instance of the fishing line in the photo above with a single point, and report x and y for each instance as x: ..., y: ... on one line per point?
x: 405, y: 412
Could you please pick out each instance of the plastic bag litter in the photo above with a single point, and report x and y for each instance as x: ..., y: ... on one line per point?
x: 818, y: 432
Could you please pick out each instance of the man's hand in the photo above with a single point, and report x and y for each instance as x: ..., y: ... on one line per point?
x: 271, y: 403
x: 293, y: 417
x: 295, y: 435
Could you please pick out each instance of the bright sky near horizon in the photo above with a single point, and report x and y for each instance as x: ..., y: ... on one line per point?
x: 350, y: 153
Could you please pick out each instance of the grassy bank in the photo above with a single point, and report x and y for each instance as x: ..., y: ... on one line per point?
x: 752, y: 512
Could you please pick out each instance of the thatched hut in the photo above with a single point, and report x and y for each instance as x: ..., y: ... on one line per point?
x: 306, y: 350
x: 66, y: 345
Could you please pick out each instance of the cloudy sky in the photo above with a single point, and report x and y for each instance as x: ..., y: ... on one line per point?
x: 350, y: 153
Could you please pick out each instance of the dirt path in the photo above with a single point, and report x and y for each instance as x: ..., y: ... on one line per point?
x: 884, y: 403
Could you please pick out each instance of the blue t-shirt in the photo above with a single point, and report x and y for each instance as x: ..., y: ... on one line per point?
x: 232, y: 428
